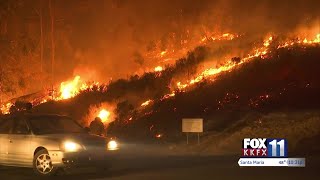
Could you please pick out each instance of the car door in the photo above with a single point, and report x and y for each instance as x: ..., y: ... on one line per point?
x: 6, y: 125
x: 20, y: 153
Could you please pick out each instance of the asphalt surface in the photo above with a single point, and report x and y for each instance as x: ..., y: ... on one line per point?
x: 176, y: 167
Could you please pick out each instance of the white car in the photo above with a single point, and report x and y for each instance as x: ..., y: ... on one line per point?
x: 49, y: 142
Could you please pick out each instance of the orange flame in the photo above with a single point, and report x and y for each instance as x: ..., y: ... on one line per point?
x: 146, y: 103
x: 5, y: 108
x: 158, y: 69
x: 163, y: 53
x: 267, y: 42
x: 104, y: 115
x: 168, y: 96
x: 225, y: 36
x: 70, y: 89
x: 317, y: 40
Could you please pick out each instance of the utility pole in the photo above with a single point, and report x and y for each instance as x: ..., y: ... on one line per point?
x: 51, y: 9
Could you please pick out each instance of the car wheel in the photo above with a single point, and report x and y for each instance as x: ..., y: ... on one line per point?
x: 42, y: 164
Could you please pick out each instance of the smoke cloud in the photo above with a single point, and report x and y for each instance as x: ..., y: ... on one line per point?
x: 113, y: 39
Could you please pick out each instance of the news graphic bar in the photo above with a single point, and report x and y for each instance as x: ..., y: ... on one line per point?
x: 276, y: 162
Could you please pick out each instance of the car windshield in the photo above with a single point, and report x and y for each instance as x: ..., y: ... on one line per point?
x: 54, y: 125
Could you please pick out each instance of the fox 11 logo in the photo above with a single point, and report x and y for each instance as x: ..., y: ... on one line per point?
x: 264, y: 147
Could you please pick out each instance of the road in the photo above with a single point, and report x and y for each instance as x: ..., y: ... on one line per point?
x: 177, y: 167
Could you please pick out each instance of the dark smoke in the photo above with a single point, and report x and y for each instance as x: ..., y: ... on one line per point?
x: 116, y: 35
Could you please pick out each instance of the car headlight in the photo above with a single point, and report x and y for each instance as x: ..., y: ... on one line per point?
x: 70, y: 146
x: 113, y: 145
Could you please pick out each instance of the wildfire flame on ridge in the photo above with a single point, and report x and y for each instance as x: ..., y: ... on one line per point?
x: 229, y: 65
x: 69, y: 89
x: 146, y: 103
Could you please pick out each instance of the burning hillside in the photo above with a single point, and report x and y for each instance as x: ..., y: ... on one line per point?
x: 286, y: 80
x: 161, y: 78
x: 70, y: 89
x: 276, y: 74
x: 102, y: 41
x: 219, y: 70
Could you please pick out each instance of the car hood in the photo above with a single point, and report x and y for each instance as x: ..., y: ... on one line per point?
x: 81, y: 138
